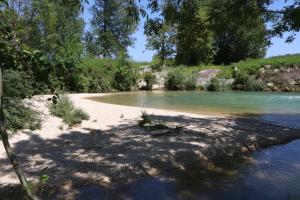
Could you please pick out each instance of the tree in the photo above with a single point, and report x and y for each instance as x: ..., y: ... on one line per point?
x: 112, y: 24
x: 48, y: 26
x: 194, y: 39
x: 239, y: 31
x: 90, y: 49
x: 10, y: 53
x: 161, y: 39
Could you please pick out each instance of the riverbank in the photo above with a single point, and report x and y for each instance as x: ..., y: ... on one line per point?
x: 110, y: 147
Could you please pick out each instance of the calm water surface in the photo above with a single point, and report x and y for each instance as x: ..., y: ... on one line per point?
x: 280, y: 108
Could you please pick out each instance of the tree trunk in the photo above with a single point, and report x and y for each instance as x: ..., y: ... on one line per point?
x: 10, y: 153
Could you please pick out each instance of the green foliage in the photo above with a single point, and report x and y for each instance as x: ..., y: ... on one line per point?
x: 149, y: 124
x: 105, y: 75
x: 113, y: 23
x: 125, y: 78
x: 239, y: 31
x: 126, y: 75
x: 146, y: 119
x: 150, y: 80
x: 96, y: 75
x: 180, y: 79
x: 214, y: 85
x: 245, y: 82
x: 161, y: 39
x: 18, y: 117
x: 17, y: 86
x: 252, y: 66
x: 65, y: 109
x: 194, y: 39
x: 55, y: 30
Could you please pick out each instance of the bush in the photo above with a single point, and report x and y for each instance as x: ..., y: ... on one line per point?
x: 96, y: 75
x: 125, y: 78
x: 245, y: 82
x: 18, y: 115
x: 146, y: 119
x: 150, y: 80
x: 180, y: 79
x: 214, y: 85
x: 63, y: 107
x: 105, y: 75
x: 126, y: 75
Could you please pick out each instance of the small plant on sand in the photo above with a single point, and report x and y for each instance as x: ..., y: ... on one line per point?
x: 146, y: 119
x: 63, y: 107
x: 148, y: 123
x: 39, y: 186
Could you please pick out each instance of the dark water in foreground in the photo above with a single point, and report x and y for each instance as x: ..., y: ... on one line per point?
x: 280, y: 108
x: 273, y: 174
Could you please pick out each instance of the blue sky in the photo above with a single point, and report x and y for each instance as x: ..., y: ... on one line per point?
x: 139, y: 53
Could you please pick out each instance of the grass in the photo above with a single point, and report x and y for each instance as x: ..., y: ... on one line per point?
x: 251, y: 66
x: 225, y: 71
x: 140, y: 64
x: 63, y: 107
x: 107, y: 63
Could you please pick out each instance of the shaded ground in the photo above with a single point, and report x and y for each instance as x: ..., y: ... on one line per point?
x: 126, y: 152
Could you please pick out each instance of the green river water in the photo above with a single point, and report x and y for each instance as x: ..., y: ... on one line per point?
x: 279, y: 108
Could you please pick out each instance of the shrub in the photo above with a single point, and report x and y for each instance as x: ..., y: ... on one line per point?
x: 150, y: 80
x: 126, y: 75
x: 63, y: 107
x: 96, y: 75
x: 18, y: 115
x: 245, y: 82
x: 125, y: 78
x: 149, y: 124
x: 180, y: 79
x: 146, y: 119
x: 105, y: 75
x: 214, y: 85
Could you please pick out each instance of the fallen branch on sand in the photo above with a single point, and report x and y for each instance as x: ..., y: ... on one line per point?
x: 172, y: 131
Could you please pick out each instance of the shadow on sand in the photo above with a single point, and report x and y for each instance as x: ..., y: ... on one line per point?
x: 99, y: 160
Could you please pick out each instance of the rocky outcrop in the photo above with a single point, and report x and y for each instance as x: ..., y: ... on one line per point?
x: 160, y: 78
x: 205, y: 76
x: 286, y: 78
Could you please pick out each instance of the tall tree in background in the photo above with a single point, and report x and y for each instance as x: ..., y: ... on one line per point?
x: 194, y: 39
x: 161, y: 39
x: 113, y: 23
x: 49, y: 26
x: 239, y: 30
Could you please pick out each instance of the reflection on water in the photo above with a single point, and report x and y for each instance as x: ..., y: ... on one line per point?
x: 289, y: 120
x: 280, y: 108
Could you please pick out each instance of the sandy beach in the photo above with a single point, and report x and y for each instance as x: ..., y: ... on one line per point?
x: 110, y: 147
